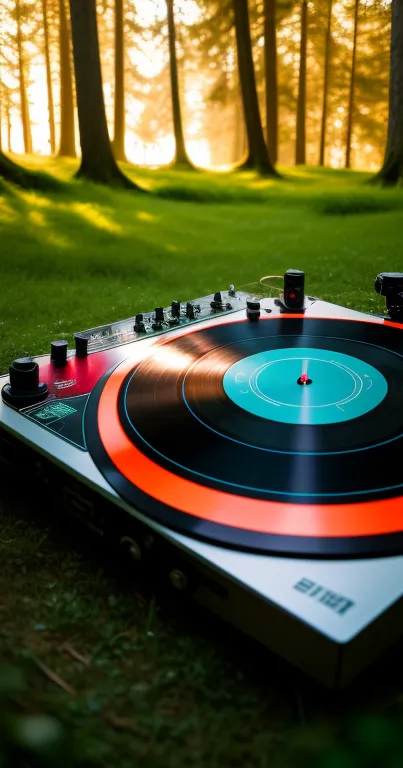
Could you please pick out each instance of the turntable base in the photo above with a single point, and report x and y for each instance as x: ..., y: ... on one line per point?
x: 263, y: 458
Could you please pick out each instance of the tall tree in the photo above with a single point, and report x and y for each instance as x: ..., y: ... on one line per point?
x: 67, y: 128
x: 328, y: 46
x: 2, y: 103
x: 97, y: 161
x: 181, y: 158
x: 7, y: 111
x: 300, y: 144
x: 270, y: 56
x: 391, y: 172
x: 118, y: 143
x: 240, y: 142
x: 257, y: 146
x: 350, y: 111
x: 24, y: 103
x: 51, y: 112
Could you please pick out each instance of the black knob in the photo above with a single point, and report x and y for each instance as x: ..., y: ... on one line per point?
x: 190, y: 310
x: 58, y: 352
x: 294, y: 289
x: 139, y: 326
x: 390, y: 285
x: 389, y: 282
x: 24, y: 388
x: 158, y: 318
x: 176, y: 309
x: 253, y: 309
x: 24, y: 374
x: 81, y: 342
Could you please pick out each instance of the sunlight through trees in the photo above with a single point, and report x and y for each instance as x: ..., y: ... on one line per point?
x: 208, y: 83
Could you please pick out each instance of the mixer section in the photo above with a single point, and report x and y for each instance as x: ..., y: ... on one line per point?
x: 163, y: 319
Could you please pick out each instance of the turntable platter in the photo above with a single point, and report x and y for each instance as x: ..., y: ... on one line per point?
x: 279, y: 436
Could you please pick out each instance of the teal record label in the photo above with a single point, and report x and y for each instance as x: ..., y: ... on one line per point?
x: 342, y: 387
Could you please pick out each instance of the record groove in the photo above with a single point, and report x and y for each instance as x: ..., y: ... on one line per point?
x: 172, y: 435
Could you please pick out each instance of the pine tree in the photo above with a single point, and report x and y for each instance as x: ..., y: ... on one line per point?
x: 118, y: 144
x: 270, y: 54
x: 351, y: 102
x: 67, y: 128
x: 181, y: 159
x: 300, y: 143
x: 257, y: 147
x: 328, y: 45
x: 392, y: 170
x: 24, y: 103
x: 52, y: 131
x: 97, y: 161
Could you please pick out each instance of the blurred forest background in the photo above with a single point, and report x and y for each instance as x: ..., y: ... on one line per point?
x: 321, y: 77
x: 171, y: 100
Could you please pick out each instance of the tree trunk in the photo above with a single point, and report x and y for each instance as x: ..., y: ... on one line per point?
x: 97, y: 161
x: 328, y: 45
x: 2, y: 102
x: 270, y: 56
x: 24, y: 104
x: 181, y: 156
x: 350, y: 113
x: 300, y: 145
x: 392, y: 170
x: 51, y: 112
x: 8, y: 120
x: 257, y: 147
x: 67, y: 126
x: 118, y: 144
x: 238, y: 147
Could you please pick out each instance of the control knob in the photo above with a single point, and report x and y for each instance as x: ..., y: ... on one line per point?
x: 390, y: 285
x: 81, y: 343
x: 58, y: 352
x: 190, y: 310
x: 294, y: 289
x: 253, y: 309
x: 139, y: 326
x: 24, y: 388
x: 217, y: 304
x: 176, y: 309
x: 158, y: 318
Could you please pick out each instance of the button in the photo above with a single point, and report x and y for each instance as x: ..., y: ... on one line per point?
x: 252, y: 309
x: 139, y: 326
x: 81, y: 343
x: 24, y: 388
x: 176, y: 309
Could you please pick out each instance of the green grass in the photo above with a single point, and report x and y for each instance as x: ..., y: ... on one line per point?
x: 164, y: 687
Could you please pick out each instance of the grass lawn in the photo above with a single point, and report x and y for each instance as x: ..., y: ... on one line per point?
x: 137, y: 681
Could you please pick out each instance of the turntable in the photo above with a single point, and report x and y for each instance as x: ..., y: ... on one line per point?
x: 250, y: 448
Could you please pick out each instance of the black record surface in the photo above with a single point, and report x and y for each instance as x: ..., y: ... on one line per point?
x: 174, y: 407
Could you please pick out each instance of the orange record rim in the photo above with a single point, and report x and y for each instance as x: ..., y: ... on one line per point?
x: 361, y: 519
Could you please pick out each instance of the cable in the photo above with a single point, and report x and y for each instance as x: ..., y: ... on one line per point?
x: 261, y: 282
x: 272, y: 277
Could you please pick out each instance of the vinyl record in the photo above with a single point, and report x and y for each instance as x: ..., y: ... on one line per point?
x: 283, y: 435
